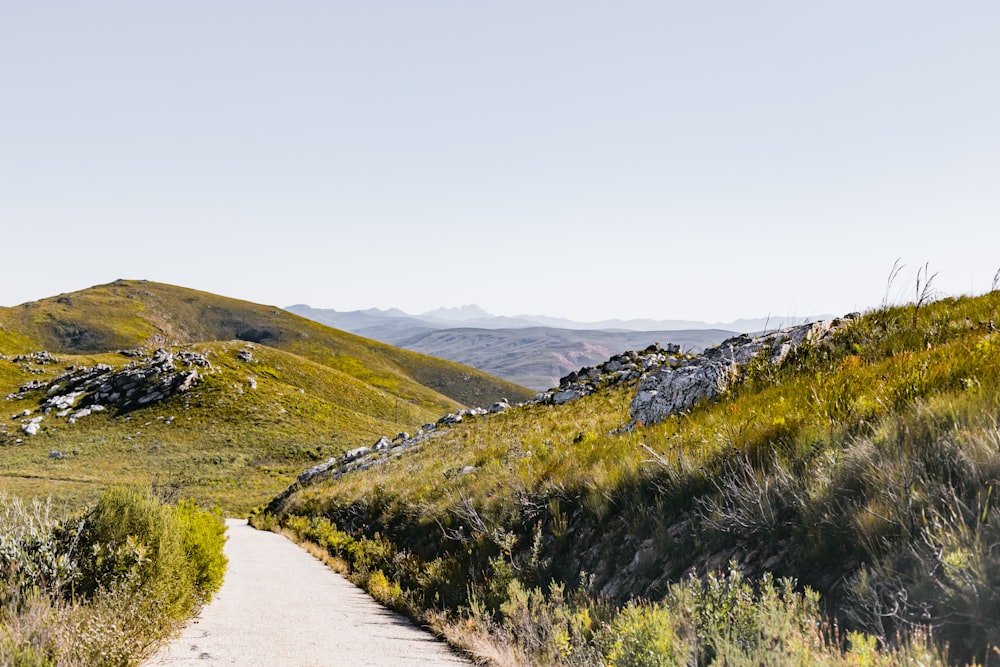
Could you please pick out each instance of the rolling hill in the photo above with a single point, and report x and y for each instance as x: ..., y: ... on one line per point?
x: 652, y: 519
x: 268, y: 392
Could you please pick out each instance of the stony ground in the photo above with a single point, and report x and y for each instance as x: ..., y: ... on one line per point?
x: 281, y: 606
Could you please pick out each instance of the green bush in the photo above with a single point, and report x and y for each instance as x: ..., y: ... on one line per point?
x: 103, y: 587
x: 131, y: 538
x: 648, y: 635
x: 204, y: 535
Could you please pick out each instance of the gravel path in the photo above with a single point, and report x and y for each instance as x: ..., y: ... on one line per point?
x: 281, y: 606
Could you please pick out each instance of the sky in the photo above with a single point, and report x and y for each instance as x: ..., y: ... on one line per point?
x: 591, y: 160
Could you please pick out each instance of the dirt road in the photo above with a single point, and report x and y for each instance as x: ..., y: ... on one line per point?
x: 281, y: 606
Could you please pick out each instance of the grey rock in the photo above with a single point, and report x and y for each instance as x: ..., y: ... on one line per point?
x: 56, y: 454
x: 567, y: 395
x: 671, y: 390
x: 352, y: 454
x: 315, y: 471
x: 32, y: 427
x: 382, y: 444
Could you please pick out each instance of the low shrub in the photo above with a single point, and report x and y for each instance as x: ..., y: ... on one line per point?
x: 102, y: 587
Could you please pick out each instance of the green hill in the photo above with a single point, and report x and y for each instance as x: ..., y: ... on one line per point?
x: 862, y: 466
x: 278, y: 393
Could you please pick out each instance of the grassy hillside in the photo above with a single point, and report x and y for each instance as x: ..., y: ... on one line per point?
x: 128, y: 313
x: 863, y: 469
x: 260, y: 413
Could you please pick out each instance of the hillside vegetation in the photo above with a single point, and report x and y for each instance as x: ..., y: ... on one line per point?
x: 279, y: 393
x: 838, y: 508
x: 103, y: 586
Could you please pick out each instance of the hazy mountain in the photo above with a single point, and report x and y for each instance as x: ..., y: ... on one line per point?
x: 526, y: 350
x: 537, y: 357
x: 475, y: 317
x: 457, y: 314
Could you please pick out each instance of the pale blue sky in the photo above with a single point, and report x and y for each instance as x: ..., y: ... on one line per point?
x: 697, y: 160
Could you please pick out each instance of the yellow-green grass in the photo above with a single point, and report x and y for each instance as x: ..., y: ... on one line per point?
x: 871, y: 458
x: 128, y: 313
x: 222, y: 442
x: 318, y: 392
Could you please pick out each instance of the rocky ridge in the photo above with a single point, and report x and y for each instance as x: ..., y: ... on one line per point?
x: 84, y: 390
x: 620, y: 368
x: 676, y: 388
x: 669, y: 382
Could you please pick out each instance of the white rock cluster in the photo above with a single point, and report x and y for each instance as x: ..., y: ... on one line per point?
x: 671, y: 390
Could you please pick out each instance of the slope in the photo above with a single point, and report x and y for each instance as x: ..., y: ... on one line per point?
x: 863, y: 466
x: 224, y: 419
x: 126, y: 314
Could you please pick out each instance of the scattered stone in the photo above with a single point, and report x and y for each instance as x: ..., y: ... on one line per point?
x: 245, y: 355
x: 567, y: 395
x: 56, y: 454
x: 352, y: 454
x: 31, y: 386
x: 253, y: 382
x: 80, y: 413
x: 382, y: 444
x: 32, y: 427
x: 40, y: 358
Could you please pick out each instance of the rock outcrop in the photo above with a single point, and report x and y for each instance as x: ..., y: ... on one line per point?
x: 671, y: 390
x: 84, y: 390
x: 620, y: 368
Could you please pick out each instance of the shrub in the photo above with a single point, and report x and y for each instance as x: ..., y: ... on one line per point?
x: 103, y: 587
x: 129, y: 536
x: 204, y: 535
x: 645, y: 635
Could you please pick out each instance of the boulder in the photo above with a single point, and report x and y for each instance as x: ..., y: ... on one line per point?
x: 356, y: 453
x: 32, y: 427
x: 566, y: 395
x: 671, y: 390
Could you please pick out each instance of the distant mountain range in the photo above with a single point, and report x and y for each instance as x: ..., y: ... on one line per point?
x: 531, y: 350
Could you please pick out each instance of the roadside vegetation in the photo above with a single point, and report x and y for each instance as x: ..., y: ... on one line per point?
x: 102, y: 586
x: 838, y: 509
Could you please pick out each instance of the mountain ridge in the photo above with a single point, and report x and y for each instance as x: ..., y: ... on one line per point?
x: 472, y: 315
x: 521, y: 351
